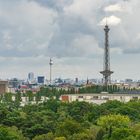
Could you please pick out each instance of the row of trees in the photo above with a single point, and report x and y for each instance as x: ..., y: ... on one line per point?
x: 55, y: 120
x: 45, y: 91
x: 109, y: 88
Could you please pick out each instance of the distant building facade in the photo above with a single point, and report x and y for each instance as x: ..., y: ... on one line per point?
x: 99, y: 98
x: 3, y: 87
x: 14, y: 83
x: 40, y: 79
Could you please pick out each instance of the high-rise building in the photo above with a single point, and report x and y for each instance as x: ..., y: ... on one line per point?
x: 76, y: 80
x: 40, y: 79
x: 31, y: 78
x: 14, y: 83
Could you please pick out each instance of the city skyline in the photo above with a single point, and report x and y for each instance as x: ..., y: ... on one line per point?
x: 71, y: 33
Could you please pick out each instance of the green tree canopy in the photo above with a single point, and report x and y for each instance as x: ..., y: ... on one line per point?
x: 111, y: 122
x: 10, y: 133
x: 48, y: 136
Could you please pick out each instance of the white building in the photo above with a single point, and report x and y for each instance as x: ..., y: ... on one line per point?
x: 99, y: 98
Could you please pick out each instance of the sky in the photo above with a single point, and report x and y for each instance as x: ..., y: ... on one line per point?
x: 71, y: 33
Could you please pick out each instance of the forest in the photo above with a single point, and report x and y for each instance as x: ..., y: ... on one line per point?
x: 56, y: 120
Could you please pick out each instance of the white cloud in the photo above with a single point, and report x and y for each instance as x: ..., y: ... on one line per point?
x: 114, y: 8
x: 111, y: 20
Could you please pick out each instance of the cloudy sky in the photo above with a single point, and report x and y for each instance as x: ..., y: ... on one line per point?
x: 71, y: 32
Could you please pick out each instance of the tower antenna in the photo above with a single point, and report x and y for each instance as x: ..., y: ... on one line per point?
x: 106, y: 20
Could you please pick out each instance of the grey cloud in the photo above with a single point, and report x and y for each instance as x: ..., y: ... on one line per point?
x: 22, y: 31
x: 54, y: 4
x: 64, y: 29
x: 132, y: 51
x: 57, y: 29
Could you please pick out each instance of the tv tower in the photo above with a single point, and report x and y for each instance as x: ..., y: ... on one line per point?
x: 106, y: 71
x: 51, y: 63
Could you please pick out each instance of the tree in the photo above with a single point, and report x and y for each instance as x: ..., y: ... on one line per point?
x: 36, y: 129
x: 18, y: 99
x: 129, y: 111
x: 80, y: 136
x: 30, y: 95
x: 60, y: 138
x: 136, y: 128
x: 79, y: 110
x: 100, y: 134
x: 37, y: 97
x: 68, y: 128
x: 122, y: 134
x: 48, y: 136
x: 111, y: 122
x: 10, y: 133
x: 52, y: 105
x: 7, y: 98
x: 12, y: 118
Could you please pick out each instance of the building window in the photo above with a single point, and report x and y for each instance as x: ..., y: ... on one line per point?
x: 95, y: 97
x: 80, y: 96
x: 105, y: 98
x: 135, y: 98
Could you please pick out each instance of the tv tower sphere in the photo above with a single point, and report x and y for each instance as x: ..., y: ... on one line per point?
x: 51, y: 62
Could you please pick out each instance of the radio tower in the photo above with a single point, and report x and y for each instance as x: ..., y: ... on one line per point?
x: 51, y: 63
x: 106, y: 71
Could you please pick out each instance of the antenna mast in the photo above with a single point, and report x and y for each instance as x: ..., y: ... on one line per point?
x: 106, y: 71
x: 51, y: 63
